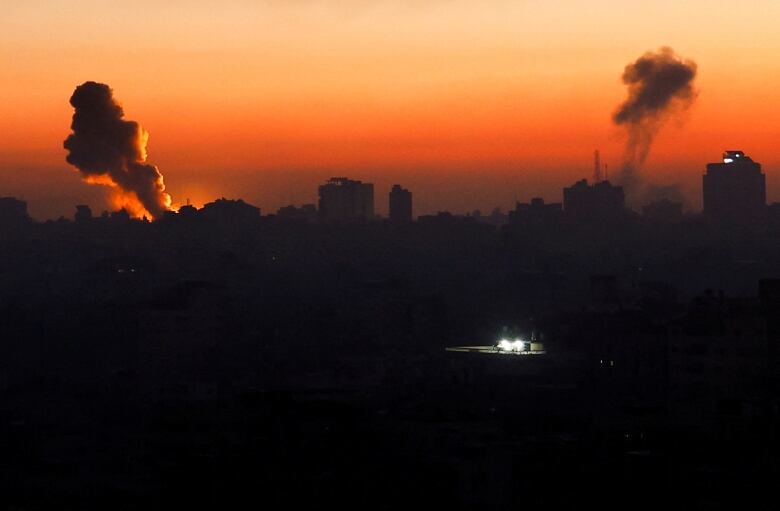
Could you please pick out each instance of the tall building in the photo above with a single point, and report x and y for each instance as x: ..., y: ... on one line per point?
x: 400, y: 205
x: 343, y: 199
x: 734, y: 190
x: 600, y: 201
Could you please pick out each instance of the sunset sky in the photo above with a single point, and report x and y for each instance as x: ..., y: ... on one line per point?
x: 470, y: 104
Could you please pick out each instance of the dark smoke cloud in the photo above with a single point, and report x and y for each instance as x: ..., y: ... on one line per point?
x: 659, y: 84
x: 108, y: 149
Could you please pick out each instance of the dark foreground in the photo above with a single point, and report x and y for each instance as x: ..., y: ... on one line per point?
x: 282, y: 365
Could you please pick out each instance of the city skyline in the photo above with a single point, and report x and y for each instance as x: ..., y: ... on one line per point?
x: 374, y: 254
x: 351, y: 203
x: 469, y: 115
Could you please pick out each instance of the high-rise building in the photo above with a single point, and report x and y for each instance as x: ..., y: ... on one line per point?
x: 600, y: 201
x: 734, y: 190
x: 342, y: 199
x: 400, y: 205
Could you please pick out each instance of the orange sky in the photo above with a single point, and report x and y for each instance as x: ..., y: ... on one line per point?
x: 471, y: 104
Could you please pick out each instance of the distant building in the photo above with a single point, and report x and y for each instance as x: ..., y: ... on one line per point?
x: 227, y: 210
x: 600, y: 201
x: 663, y: 210
x: 440, y: 219
x: 536, y: 214
x: 400, y: 205
x: 120, y: 215
x: 13, y: 212
x: 734, y: 190
x: 83, y: 214
x: 188, y: 211
x: 496, y: 218
x: 305, y: 213
x: 343, y: 199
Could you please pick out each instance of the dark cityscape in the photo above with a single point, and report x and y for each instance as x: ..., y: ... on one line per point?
x: 322, y: 354
x: 378, y: 255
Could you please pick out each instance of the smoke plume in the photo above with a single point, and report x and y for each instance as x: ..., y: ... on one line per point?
x: 112, y: 151
x: 659, y: 85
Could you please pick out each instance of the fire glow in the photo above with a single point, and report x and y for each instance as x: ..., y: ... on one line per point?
x: 111, y: 151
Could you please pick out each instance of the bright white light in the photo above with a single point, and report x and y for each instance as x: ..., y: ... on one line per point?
x: 727, y: 160
x: 737, y: 155
x: 515, y: 346
x: 505, y: 345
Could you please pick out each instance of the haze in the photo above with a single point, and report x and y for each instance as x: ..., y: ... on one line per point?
x: 469, y: 104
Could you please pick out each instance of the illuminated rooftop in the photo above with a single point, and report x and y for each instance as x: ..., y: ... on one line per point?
x: 516, y: 347
x: 490, y: 350
x: 735, y: 156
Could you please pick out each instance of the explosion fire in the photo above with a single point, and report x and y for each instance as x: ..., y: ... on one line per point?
x: 111, y: 151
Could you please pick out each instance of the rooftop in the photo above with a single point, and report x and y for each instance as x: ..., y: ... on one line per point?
x: 735, y: 156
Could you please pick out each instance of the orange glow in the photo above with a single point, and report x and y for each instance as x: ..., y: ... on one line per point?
x: 466, y: 102
x: 99, y: 180
x: 121, y: 199
x: 142, y: 138
x: 129, y: 202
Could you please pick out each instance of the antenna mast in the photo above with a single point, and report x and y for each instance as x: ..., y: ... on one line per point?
x: 596, y: 166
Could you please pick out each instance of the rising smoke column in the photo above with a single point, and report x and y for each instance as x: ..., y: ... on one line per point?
x: 110, y: 150
x: 659, y: 85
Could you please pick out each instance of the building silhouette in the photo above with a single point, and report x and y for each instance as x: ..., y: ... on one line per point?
x: 228, y: 210
x: 734, y: 190
x: 189, y: 211
x: 83, y: 214
x: 13, y: 212
x: 400, y: 205
x: 536, y: 214
x: 342, y: 199
x: 600, y: 201
x: 304, y: 213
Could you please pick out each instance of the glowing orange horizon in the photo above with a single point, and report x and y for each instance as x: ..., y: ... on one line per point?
x: 264, y: 100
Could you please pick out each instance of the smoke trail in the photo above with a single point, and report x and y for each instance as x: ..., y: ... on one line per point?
x: 659, y: 84
x: 112, y: 151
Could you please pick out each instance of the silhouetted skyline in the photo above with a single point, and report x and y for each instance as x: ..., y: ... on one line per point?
x: 741, y: 196
x: 454, y: 255
x: 318, y: 360
x: 487, y: 109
